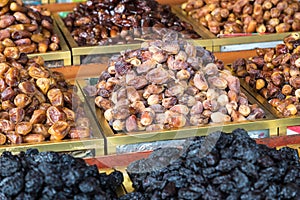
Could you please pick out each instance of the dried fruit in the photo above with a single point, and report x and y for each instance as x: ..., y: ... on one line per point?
x: 26, y: 29
x: 35, y: 101
x: 115, y: 22
x: 229, y: 17
x: 168, y: 94
x: 218, y: 166
x: 277, y: 77
x: 49, y: 175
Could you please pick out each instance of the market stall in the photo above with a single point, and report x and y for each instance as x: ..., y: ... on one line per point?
x: 163, y: 100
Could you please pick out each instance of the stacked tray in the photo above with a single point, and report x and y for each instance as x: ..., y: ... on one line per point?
x: 90, y: 147
x: 95, y: 143
x: 31, y: 31
x: 123, y: 141
x: 271, y: 76
x: 80, y: 53
x: 229, y: 43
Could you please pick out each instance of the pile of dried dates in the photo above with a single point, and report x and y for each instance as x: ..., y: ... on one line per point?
x: 275, y: 74
x: 245, y: 16
x: 25, y: 29
x: 119, y: 22
x: 219, y: 166
x: 48, y: 175
x: 169, y: 83
x: 38, y: 104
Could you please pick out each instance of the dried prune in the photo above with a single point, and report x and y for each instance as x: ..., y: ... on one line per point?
x: 13, y: 184
x: 9, y: 164
x: 89, y: 185
x: 269, y: 174
x: 133, y: 196
x: 49, y: 175
x: 33, y: 181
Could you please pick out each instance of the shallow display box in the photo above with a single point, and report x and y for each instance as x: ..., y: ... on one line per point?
x: 57, y: 58
x: 85, y: 147
x: 229, y: 44
x: 89, y: 54
x: 283, y: 122
x: 144, y: 141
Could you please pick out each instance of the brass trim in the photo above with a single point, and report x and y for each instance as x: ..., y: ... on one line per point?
x: 219, y: 42
x: 250, y: 39
x: 107, y: 49
x: 199, y: 28
x: 283, y: 121
x: 113, y: 140
x: 96, y: 141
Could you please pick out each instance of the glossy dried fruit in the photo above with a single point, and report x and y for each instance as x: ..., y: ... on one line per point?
x: 277, y: 80
x: 22, y: 100
x: 28, y: 99
x: 127, y: 20
x: 16, y: 114
x: 23, y: 128
x: 243, y: 16
x: 43, y: 84
x: 55, y: 97
x: 59, y: 130
x: 27, y: 87
x: 55, y: 114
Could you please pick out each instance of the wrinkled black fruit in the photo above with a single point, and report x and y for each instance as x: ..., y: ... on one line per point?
x: 220, y: 166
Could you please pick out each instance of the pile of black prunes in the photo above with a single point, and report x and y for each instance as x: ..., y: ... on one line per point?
x: 219, y: 166
x: 48, y: 175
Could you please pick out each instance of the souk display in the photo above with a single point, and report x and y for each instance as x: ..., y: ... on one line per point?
x: 166, y: 84
x: 25, y: 29
x: 274, y: 73
x: 219, y: 166
x: 119, y: 22
x: 38, y: 104
x: 245, y: 16
x: 50, y: 175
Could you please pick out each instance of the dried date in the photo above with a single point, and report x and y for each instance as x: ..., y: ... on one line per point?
x: 276, y: 77
x: 19, y: 28
x: 121, y: 22
x: 37, y: 103
x: 168, y: 83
